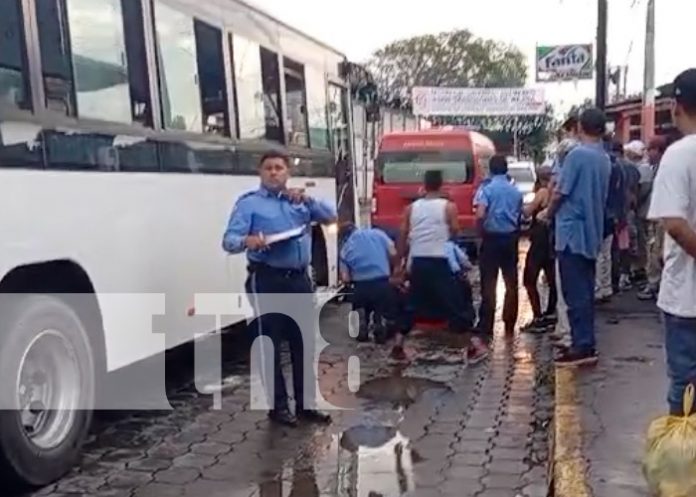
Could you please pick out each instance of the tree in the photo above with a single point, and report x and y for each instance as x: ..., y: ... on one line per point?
x: 451, y: 59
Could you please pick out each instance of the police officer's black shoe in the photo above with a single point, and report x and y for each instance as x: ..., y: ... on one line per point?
x: 283, y: 417
x: 380, y: 334
x: 312, y: 416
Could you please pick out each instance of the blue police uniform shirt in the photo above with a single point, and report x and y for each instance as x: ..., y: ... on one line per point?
x: 503, y: 202
x: 365, y: 255
x: 584, y: 186
x: 456, y: 258
x: 267, y: 212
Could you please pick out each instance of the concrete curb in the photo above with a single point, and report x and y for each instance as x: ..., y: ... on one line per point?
x: 569, y: 463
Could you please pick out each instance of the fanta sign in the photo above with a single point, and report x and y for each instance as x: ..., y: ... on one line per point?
x: 564, y: 62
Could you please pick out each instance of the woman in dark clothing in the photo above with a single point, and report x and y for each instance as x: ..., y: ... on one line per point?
x: 540, y: 257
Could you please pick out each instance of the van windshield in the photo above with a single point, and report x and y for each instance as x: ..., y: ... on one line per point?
x: 410, y: 166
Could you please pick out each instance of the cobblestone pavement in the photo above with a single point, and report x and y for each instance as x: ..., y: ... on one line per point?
x: 621, y: 396
x: 433, y: 427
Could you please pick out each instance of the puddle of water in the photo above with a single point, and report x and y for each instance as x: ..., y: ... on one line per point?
x: 363, y: 461
x: 400, y: 389
x: 229, y: 382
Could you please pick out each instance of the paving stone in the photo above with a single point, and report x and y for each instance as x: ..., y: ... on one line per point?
x: 177, y: 476
x: 211, y: 448
x: 461, y: 487
x: 536, y: 490
x: 128, y: 479
x: 504, y: 481
x: 502, y: 453
x: 159, y: 490
x: 195, y: 461
x: 507, y: 467
x: 465, y: 472
x: 469, y: 459
x: 150, y: 464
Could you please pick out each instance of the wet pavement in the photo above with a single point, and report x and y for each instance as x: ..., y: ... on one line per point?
x: 430, y: 427
x: 620, y: 397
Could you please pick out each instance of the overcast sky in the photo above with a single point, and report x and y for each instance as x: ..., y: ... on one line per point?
x: 358, y: 27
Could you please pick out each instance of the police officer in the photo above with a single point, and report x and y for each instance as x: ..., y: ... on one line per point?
x: 366, y: 261
x: 499, y: 209
x: 279, y: 268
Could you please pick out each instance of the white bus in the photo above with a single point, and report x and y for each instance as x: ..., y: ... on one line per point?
x: 128, y: 129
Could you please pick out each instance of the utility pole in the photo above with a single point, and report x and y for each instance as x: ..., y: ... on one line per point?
x: 601, y: 90
x: 649, y: 91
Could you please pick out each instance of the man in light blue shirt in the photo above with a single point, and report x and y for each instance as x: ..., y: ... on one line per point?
x: 578, y: 204
x: 272, y: 224
x: 366, y: 260
x: 498, y: 211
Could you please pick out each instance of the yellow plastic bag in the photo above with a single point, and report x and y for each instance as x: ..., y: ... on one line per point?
x: 669, y: 465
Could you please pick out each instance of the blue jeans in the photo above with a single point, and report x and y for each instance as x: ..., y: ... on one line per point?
x: 680, y: 343
x: 577, y: 285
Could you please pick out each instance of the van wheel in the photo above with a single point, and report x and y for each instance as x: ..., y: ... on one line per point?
x: 47, y: 388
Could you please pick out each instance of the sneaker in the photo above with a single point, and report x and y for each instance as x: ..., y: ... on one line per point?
x: 477, y: 351
x: 573, y: 358
x: 536, y: 325
x: 549, y: 319
x: 312, y: 416
x: 283, y: 417
x: 647, y: 294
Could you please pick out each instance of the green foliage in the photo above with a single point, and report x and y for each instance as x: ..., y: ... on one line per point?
x: 452, y: 59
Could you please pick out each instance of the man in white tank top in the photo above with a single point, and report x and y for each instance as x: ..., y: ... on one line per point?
x: 428, y: 224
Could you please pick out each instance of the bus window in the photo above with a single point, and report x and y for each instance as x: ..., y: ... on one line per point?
x: 99, y: 59
x: 339, y: 121
x: 14, y: 90
x: 176, y: 50
x: 55, y: 56
x: 296, y: 103
x: 211, y: 69
x: 138, y: 72
x: 249, y: 86
x: 316, y: 109
x: 270, y: 71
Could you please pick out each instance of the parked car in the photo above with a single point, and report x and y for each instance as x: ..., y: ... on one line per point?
x: 523, y: 176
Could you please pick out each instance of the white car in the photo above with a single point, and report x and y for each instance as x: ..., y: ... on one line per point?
x: 523, y: 176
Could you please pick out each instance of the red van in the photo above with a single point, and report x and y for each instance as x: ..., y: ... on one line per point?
x: 402, y: 159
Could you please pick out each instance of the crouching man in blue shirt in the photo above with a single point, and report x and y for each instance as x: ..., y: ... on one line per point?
x: 367, y: 259
x: 277, y: 268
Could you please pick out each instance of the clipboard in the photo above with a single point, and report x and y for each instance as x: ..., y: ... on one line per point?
x: 285, y: 235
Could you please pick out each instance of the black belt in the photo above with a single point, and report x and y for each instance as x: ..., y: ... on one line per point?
x: 259, y: 267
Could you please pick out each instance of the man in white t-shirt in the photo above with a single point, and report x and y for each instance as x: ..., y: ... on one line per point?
x: 674, y: 205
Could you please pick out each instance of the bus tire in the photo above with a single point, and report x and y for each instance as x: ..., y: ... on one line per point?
x: 46, y: 360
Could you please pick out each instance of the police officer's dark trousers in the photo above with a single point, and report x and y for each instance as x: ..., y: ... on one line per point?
x: 499, y: 254
x: 377, y: 298
x: 264, y: 286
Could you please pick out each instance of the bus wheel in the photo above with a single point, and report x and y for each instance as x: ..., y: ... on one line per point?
x: 47, y: 388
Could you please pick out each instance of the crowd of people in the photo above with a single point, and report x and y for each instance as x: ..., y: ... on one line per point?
x: 606, y: 218
x: 598, y: 221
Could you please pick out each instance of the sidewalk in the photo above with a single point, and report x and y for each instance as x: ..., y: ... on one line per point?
x: 602, y: 413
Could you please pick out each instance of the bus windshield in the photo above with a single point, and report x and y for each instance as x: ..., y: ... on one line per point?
x: 409, y: 167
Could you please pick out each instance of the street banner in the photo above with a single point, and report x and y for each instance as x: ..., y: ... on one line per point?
x: 438, y: 101
x: 564, y: 63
